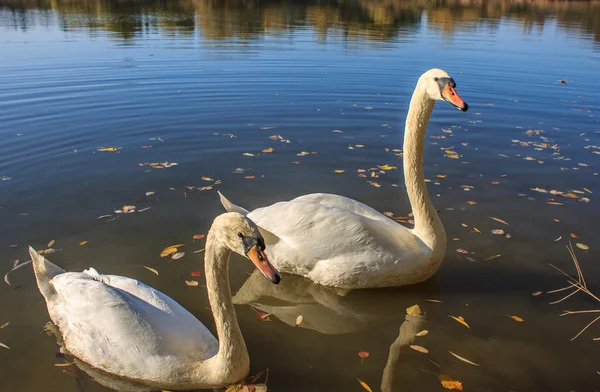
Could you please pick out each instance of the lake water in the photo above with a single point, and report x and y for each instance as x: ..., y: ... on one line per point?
x: 201, y: 83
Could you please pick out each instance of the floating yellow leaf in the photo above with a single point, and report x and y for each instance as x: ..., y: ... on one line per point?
x: 413, y: 310
x: 299, y: 320
x: 364, y: 385
x: 492, y: 257
x: 582, y: 246
x: 516, y: 318
x: 460, y: 320
x: 499, y: 220
x: 419, y: 348
x: 450, y: 383
x: 82, y: 242
x: 463, y: 359
x: 422, y: 333
x: 441, y: 175
x: 152, y: 270
x: 207, y: 178
x: 387, y: 167
x: 191, y: 282
x: 167, y: 251
x: 107, y: 149
x: 270, y: 149
x: 339, y: 171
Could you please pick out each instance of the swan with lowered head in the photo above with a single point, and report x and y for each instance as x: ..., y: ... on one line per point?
x: 337, y: 241
x: 125, y: 328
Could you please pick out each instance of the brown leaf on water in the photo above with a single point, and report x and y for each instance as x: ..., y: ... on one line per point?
x: 535, y: 294
x: 499, y: 220
x: 4, y: 325
x: 495, y: 182
x: 471, y: 202
x: 198, y: 237
x: 82, y: 243
x: 573, y: 235
x: 422, y: 333
x: 414, y: 310
x: 191, y: 283
x: 582, y: 246
x: 450, y: 383
x: 498, y: 232
x: 419, y: 348
x: 196, y: 273
x: 152, y: 270
x: 207, y: 178
x: 464, y: 359
x: 249, y: 177
x: 50, y: 243
x: 4, y: 345
x: 516, y: 318
x: 461, y: 320
x: 267, y: 150
x: 363, y: 355
x: 364, y: 385
x: 263, y: 316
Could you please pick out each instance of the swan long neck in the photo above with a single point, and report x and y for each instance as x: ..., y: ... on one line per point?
x: 428, y: 226
x: 231, y: 363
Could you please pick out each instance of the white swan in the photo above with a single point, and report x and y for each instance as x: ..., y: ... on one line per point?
x: 337, y: 241
x: 128, y: 329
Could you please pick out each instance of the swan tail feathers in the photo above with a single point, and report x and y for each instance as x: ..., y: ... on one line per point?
x: 230, y: 207
x: 44, y: 271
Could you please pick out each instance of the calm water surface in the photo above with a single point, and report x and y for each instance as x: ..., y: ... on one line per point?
x: 201, y: 83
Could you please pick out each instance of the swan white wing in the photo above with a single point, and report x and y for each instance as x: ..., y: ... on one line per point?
x: 125, y: 327
x: 344, y: 203
x: 333, y: 245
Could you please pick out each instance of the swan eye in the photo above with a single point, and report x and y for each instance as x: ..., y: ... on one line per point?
x: 435, y: 78
x: 240, y: 235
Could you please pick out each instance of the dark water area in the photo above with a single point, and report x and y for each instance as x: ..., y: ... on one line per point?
x: 200, y: 84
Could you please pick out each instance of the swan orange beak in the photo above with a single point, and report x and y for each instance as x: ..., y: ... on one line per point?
x: 451, y: 96
x: 261, y: 261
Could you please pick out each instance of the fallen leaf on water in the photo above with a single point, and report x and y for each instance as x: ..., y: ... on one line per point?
x: 463, y: 359
x: 419, y: 348
x: 4, y: 345
x: 107, y: 149
x: 263, y: 316
x: 535, y: 294
x: 582, y: 246
x: 177, y: 255
x: 364, y: 385
x: 191, y: 283
x: 437, y: 301
x: 499, y: 220
x: 82, y: 242
x: 460, y: 320
x: 196, y: 273
x: 498, y: 232
x: 249, y: 177
x: 50, y: 243
x: 63, y: 364
x: 422, y: 333
x: 248, y: 154
x: 414, y: 310
x: 363, y: 355
x: 339, y: 171
x: 207, y: 178
x: 441, y: 175
x: 387, y: 167
x: 558, y: 239
x: 152, y: 270
x: 476, y: 230
x: 167, y: 251
x: 471, y: 202
x: 267, y: 150
x: 104, y: 216
x: 516, y: 318
x: 4, y: 325
x: 198, y: 237
x: 299, y: 320
x: 450, y: 383
x: 460, y: 250
x: 573, y: 235
x: 492, y: 257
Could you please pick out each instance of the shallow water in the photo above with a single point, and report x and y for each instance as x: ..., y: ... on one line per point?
x: 204, y: 82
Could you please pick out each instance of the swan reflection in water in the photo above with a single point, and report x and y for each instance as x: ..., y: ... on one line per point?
x: 328, y: 310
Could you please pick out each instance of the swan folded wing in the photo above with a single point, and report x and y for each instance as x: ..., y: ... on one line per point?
x: 131, y: 330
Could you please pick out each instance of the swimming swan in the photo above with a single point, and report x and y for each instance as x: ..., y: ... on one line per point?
x: 337, y: 241
x: 125, y: 328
